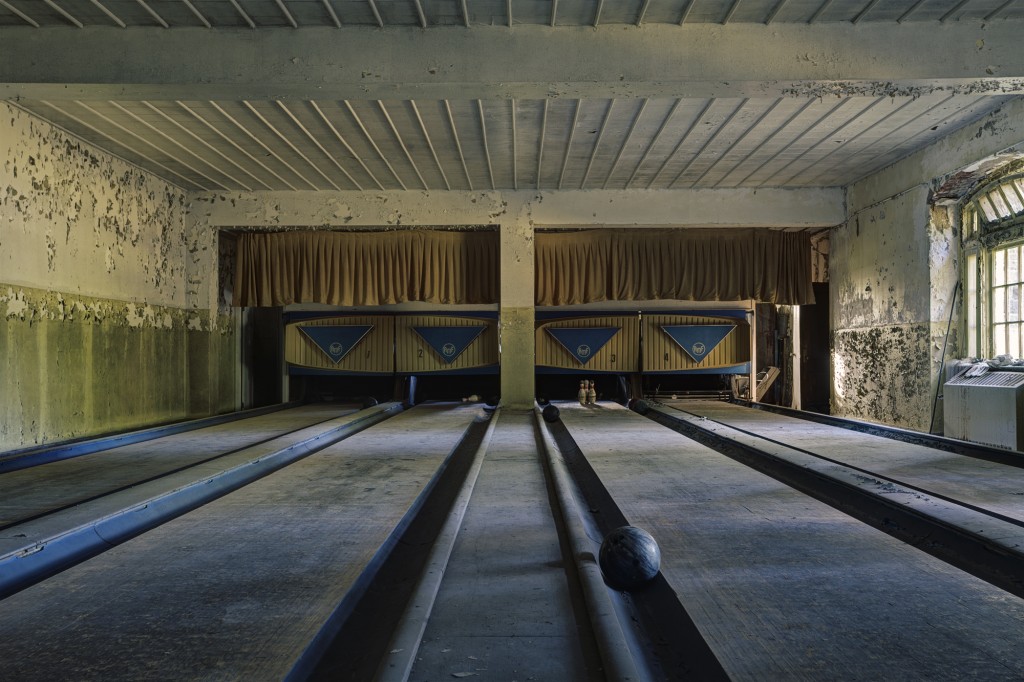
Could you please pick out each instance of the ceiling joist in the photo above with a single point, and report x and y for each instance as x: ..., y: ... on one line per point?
x: 728, y: 62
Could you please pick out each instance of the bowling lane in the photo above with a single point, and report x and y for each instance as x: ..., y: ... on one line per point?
x: 237, y: 588
x: 30, y: 493
x: 987, y: 485
x: 784, y: 587
x: 504, y: 610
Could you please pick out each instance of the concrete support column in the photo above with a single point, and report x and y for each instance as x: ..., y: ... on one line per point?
x: 516, y: 308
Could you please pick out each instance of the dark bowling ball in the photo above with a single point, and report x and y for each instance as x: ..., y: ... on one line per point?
x: 493, y: 401
x: 550, y: 413
x: 629, y: 557
x: 369, y: 401
x: 641, y: 406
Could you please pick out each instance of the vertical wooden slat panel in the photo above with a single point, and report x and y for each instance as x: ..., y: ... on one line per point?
x: 618, y: 355
x: 374, y: 354
x: 663, y: 354
x: 415, y: 356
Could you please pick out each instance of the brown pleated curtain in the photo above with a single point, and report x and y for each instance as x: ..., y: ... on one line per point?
x: 366, y: 268
x: 681, y: 264
x: 373, y: 268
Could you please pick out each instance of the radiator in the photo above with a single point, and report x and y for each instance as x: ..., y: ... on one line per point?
x: 988, y: 409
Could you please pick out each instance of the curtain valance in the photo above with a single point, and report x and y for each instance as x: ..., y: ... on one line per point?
x: 366, y: 268
x: 684, y: 264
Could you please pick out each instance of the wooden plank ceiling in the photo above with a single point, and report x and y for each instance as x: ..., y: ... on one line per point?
x: 484, y: 144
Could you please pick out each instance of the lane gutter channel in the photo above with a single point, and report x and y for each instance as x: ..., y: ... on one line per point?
x: 382, y: 606
x: 650, y: 626
x: 23, y: 568
x: 866, y: 472
x: 952, y: 445
x: 164, y: 474
x: 971, y: 553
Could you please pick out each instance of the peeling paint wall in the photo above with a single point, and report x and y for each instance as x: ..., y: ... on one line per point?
x: 73, y: 219
x: 893, y: 270
x: 881, y: 312
x: 95, y: 332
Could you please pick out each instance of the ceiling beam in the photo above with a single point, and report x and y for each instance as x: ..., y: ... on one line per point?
x: 64, y: 13
x: 156, y: 17
x: 241, y: 12
x: 568, y: 144
x: 287, y: 14
x: 24, y: 17
x: 762, y: 208
x: 653, y: 60
x: 206, y: 22
x: 341, y: 138
x: 458, y: 143
x: 430, y: 144
x: 330, y: 11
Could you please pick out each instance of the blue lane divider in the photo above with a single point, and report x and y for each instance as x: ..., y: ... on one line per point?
x: 14, y: 460
x: 27, y: 566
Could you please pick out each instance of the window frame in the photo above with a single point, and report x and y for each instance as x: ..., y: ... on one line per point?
x: 985, y: 232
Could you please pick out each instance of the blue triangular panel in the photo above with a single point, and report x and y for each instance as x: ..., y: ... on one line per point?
x: 583, y: 343
x: 449, y: 342
x: 698, y: 339
x: 337, y: 340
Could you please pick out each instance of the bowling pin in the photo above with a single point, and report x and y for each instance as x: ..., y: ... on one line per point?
x: 583, y: 393
x: 592, y: 393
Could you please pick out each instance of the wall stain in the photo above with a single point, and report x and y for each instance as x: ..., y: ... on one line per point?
x: 36, y: 305
x: 882, y: 374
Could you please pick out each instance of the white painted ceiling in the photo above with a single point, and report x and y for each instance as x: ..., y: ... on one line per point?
x: 617, y: 141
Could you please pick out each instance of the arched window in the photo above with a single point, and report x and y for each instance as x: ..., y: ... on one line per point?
x: 993, y: 239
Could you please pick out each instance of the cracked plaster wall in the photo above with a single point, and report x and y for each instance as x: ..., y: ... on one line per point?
x: 890, y: 270
x: 96, y: 334
x: 893, y: 268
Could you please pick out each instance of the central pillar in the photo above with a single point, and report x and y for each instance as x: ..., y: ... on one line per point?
x: 516, y: 303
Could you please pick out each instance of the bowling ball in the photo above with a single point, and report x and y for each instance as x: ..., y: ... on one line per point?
x: 493, y: 401
x: 550, y: 414
x: 629, y: 557
x: 369, y: 401
x: 641, y: 406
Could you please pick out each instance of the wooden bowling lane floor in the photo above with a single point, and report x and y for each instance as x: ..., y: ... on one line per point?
x: 237, y: 588
x: 983, y: 484
x: 30, y: 493
x: 784, y: 587
x: 504, y: 610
